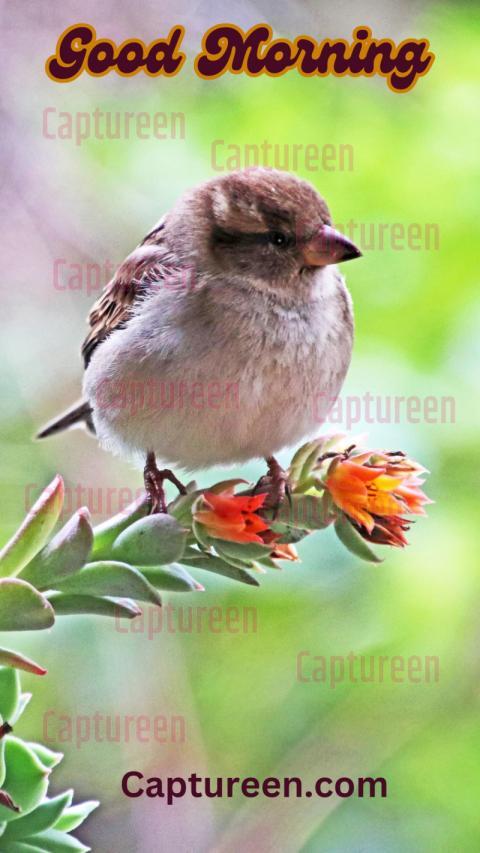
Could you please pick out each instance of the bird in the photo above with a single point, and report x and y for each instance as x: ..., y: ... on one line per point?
x: 235, y: 289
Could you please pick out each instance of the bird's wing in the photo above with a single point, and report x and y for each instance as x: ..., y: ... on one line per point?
x: 134, y: 280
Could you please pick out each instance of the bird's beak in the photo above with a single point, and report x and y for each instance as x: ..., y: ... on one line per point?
x: 328, y: 246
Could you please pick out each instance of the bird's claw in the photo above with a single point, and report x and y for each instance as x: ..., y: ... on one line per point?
x: 275, y: 484
x: 154, y: 479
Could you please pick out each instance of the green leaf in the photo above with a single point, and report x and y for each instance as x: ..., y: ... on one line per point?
x: 246, y: 551
x: 104, y: 535
x: 300, y: 458
x: 353, y: 541
x: 9, y: 692
x: 23, y: 847
x: 26, y: 779
x: 112, y: 579
x: 22, y: 608
x: 220, y: 567
x: 310, y: 460
x: 75, y: 815
x: 53, y: 841
x: 270, y: 563
x: 153, y: 541
x: 181, y: 507
x: 192, y: 553
x: 40, y: 819
x: 288, y: 535
x: 22, y: 704
x: 232, y: 561
x: 174, y: 578
x: 8, y: 803
x: 3, y: 768
x: 67, y: 552
x: 304, y: 512
x: 8, y: 658
x: 66, y: 604
x: 200, y: 533
x: 34, y: 531
x: 46, y: 756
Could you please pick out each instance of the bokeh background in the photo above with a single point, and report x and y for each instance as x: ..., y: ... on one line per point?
x: 417, y: 315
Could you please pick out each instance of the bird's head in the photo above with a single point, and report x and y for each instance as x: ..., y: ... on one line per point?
x: 265, y: 228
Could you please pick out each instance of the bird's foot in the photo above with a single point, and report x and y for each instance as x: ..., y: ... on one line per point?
x: 275, y: 484
x: 154, y: 479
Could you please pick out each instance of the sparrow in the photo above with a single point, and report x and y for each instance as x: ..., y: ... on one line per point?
x: 237, y: 286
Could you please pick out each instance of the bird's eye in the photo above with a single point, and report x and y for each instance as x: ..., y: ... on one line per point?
x: 277, y: 238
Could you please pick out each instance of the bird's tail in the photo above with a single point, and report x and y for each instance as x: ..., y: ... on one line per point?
x: 81, y: 412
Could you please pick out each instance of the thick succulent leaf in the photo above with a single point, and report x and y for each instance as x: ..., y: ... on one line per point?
x: 303, y: 453
x: 22, y: 704
x: 23, y: 847
x: 269, y: 563
x: 7, y: 802
x: 46, y: 756
x: 192, y: 553
x: 244, y: 551
x: 9, y: 692
x: 174, y: 578
x: 22, y: 607
x: 181, y: 507
x: 67, y: 552
x: 220, y: 567
x: 153, y: 541
x: 353, y: 541
x: 68, y: 604
x: 9, y: 658
x: 26, y: 779
x: 201, y: 535
x: 53, y: 841
x: 232, y: 561
x: 289, y: 535
x: 309, y: 463
x: 112, y: 579
x: 43, y: 817
x: 34, y: 531
x: 104, y: 535
x: 3, y: 768
x: 306, y: 512
x: 75, y: 815
x: 297, y: 461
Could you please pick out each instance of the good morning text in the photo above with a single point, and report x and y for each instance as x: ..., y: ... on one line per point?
x: 228, y: 48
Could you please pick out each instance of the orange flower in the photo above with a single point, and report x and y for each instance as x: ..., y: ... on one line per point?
x: 387, y: 531
x: 375, y: 490
x: 232, y: 517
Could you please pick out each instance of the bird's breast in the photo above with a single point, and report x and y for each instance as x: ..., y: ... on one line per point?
x: 215, y: 390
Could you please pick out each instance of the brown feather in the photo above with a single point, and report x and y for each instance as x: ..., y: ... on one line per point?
x: 144, y: 267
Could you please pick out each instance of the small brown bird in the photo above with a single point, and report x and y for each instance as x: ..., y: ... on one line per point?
x: 218, y: 332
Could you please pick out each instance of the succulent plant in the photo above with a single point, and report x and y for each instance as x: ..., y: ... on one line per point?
x: 30, y: 821
x: 131, y: 557
x: 106, y: 570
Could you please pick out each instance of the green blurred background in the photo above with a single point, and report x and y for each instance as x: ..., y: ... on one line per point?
x: 417, y: 313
